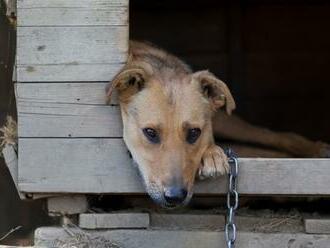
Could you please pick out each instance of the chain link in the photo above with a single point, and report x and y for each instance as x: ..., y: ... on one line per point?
x: 232, y: 200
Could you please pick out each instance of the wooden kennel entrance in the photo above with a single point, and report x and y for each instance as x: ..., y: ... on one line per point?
x: 70, y: 141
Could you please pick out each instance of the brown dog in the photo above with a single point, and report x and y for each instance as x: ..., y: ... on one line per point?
x: 167, y: 113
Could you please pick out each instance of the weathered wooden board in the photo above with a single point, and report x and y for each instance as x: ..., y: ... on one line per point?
x: 318, y: 225
x: 80, y: 93
x: 59, y: 40
x: 71, y: 45
x: 191, y: 221
x: 72, y: 16
x: 67, y: 72
x: 103, y: 166
x: 47, y: 236
x: 96, y: 4
x: 114, y: 220
x: 75, y: 165
x: 10, y: 246
x: 42, y: 119
x: 70, y: 109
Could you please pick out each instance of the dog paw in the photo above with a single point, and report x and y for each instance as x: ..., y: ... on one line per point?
x: 214, y: 163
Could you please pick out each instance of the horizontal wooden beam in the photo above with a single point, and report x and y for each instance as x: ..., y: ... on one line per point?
x: 71, y: 109
x: 108, y: 15
x: 319, y: 225
x: 47, y: 236
x: 95, y: 4
x: 73, y: 92
x: 191, y: 220
x: 67, y: 72
x: 114, y: 220
x: 41, y: 119
x: 71, y: 45
x: 94, y: 165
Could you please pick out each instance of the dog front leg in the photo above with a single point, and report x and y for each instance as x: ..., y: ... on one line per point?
x: 214, y: 163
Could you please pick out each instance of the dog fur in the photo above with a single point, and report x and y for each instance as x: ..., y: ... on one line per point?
x: 159, y: 92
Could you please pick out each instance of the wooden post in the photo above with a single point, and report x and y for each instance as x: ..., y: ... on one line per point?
x: 10, y: 156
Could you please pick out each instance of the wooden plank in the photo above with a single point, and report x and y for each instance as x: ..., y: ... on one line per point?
x: 72, y: 16
x: 67, y: 72
x: 47, y: 236
x: 114, y: 220
x: 189, y: 221
x: 59, y: 40
x: 42, y: 119
x: 9, y: 246
x: 317, y: 225
x: 79, y: 93
x: 71, y: 45
x: 44, y: 163
x: 75, y: 165
x: 204, y: 221
x: 70, y: 3
x: 69, y: 108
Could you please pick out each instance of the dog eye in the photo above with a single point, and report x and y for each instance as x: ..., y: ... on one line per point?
x: 192, y: 135
x: 151, y: 135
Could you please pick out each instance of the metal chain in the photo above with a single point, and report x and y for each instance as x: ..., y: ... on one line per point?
x: 232, y: 200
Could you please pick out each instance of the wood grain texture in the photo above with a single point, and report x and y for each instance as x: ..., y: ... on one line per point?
x: 70, y: 3
x: 42, y: 119
x: 103, y: 166
x: 71, y: 45
x: 67, y: 72
x: 317, y: 225
x: 10, y: 246
x: 60, y: 40
x: 46, y: 236
x: 66, y: 110
x: 191, y: 221
x: 76, y: 165
x: 72, y: 17
x: 79, y: 93
x: 114, y: 220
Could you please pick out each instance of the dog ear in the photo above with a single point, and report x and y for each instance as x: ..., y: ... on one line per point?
x: 215, y: 90
x: 127, y: 82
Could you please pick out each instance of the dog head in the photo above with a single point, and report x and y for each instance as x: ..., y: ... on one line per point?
x: 167, y: 125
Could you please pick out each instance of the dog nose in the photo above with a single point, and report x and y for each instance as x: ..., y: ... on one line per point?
x: 175, y: 195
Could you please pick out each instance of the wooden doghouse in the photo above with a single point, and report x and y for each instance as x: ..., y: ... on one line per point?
x: 70, y: 141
